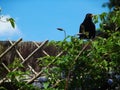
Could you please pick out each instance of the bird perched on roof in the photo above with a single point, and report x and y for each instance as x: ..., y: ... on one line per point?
x: 87, y: 28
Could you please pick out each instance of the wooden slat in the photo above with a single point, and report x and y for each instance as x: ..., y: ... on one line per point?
x: 27, y: 58
x: 36, y: 44
x: 17, y: 52
x: 35, y: 50
x: 45, y: 53
x: 39, y: 74
x: 6, y: 67
x: 42, y: 50
x: 32, y: 70
x: 6, y: 51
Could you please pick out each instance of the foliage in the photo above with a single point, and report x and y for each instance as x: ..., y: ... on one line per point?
x: 11, y: 20
x: 84, y: 64
x: 81, y: 67
x: 112, y: 4
x: 16, y: 78
x: 109, y: 23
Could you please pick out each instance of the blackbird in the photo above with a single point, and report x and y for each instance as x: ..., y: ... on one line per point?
x: 87, y: 28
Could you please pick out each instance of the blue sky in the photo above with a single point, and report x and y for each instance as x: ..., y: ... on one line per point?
x: 37, y: 20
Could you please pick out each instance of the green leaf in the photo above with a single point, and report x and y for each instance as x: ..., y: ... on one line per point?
x: 12, y: 21
x: 95, y: 18
x: 102, y: 16
x: 46, y: 85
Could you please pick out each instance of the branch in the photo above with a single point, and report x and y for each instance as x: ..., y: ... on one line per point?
x: 69, y: 73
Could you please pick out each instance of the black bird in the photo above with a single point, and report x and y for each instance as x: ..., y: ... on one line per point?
x: 87, y: 28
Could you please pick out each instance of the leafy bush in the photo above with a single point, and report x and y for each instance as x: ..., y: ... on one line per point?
x: 83, y: 64
x: 87, y: 64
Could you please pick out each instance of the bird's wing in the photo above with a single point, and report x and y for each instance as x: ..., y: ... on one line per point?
x: 82, y: 33
x: 82, y: 29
